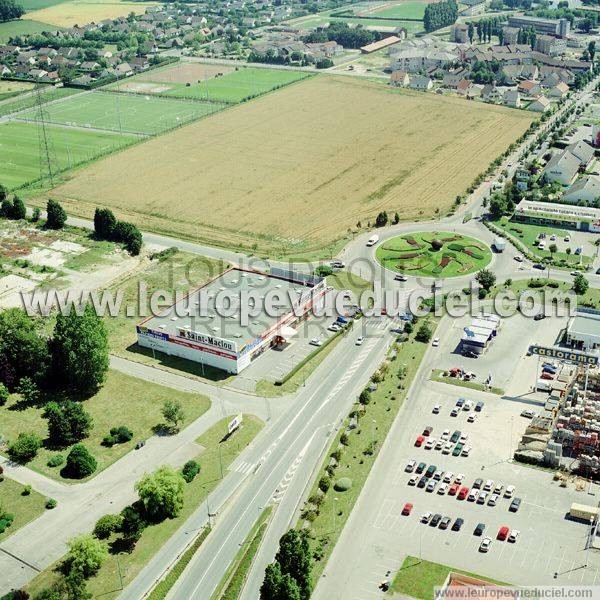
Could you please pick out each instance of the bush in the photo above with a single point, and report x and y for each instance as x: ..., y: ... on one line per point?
x: 336, y: 455
x: 56, y: 216
x: 51, y: 503
x: 26, y: 491
x: 424, y: 334
x: 3, y: 394
x: 6, y: 520
x: 80, y: 463
x: 190, y: 470
x: 25, y: 447
x: 343, y: 484
x: 118, y: 435
x: 323, y: 271
x: 106, y: 525
x: 56, y: 460
x: 324, y: 484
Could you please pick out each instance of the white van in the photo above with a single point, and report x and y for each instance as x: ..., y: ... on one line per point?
x: 373, y: 240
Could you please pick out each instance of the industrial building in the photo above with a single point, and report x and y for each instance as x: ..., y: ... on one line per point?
x: 196, y: 329
x: 477, y: 336
x: 583, y: 331
x: 567, y: 216
x: 556, y: 27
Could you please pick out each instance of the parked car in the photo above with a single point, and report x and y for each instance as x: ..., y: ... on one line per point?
x: 482, y: 497
x: 420, y: 467
x: 430, y: 443
x: 439, y: 444
x: 437, y: 476
x: 473, y: 495
x: 539, y: 266
x: 430, y: 471
x: 422, y: 482
x: 471, y: 418
x: 539, y: 316
x: 454, y: 412
x: 436, y: 409
x: 425, y: 517
x: 359, y: 341
x: 407, y: 508
x: 515, y: 504
x: 513, y: 536
x: 479, y: 406
x: 413, y: 479
x: 447, y: 448
x: 448, y: 475
x: 479, y: 529
x: 463, y: 438
x: 400, y: 277
x: 445, y: 434
x: 419, y: 441
x: 498, y: 488
x: 410, y: 466
x: 519, y: 258
x: 455, y: 436
x: 493, y: 500
x: 458, y: 524
x: 457, y: 450
x: 502, y: 533
x: 478, y: 483
x: 427, y: 431
x: 460, y: 402
x: 469, y: 353
x: 485, y: 544
x: 442, y: 489
x: 453, y: 489
x: 528, y: 414
x: 466, y: 451
x: 436, y: 342
x: 435, y: 520
x: 445, y: 522
x: 459, y: 478
x: 316, y: 342
x: 510, y: 490
x: 546, y: 375
x: 489, y: 484
x: 463, y: 493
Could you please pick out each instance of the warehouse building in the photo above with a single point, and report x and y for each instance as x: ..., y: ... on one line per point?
x: 583, y: 331
x: 568, y: 216
x: 206, y: 326
x: 478, y: 335
x: 557, y: 27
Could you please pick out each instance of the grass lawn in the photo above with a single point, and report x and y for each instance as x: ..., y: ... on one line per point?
x: 106, y: 584
x: 19, y: 147
x: 237, y: 86
x: 360, y: 453
x: 527, y: 234
x: 416, y: 254
x: 233, y: 581
x: 418, y: 578
x: 131, y: 113
x: 322, y: 19
x: 345, y: 280
x: 8, y: 89
x: 123, y: 400
x: 23, y: 508
x: 23, y: 27
x: 180, y: 272
x: 404, y: 10
x: 590, y: 299
x: 48, y: 94
x: 438, y: 375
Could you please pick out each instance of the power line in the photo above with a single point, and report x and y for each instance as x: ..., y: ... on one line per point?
x: 45, y: 146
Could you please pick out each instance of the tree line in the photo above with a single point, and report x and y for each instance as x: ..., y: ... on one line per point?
x: 343, y: 34
x: 440, y: 14
x: 10, y: 10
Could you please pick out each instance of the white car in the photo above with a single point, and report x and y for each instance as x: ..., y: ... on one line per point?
x: 459, y: 478
x: 334, y: 327
x: 489, y: 485
x: 436, y: 409
x: 359, y: 341
x: 473, y: 495
x: 513, y: 536
x: 436, y: 342
x: 471, y: 418
x: 439, y: 444
x: 553, y: 238
x: 448, y: 448
x: 431, y: 485
x: 519, y: 258
x: 430, y: 443
x: 567, y: 238
x: 465, y: 451
x: 493, y: 500
x: 413, y: 479
x: 442, y: 489
x: 463, y: 438
x: 448, y: 475
x: 498, y: 489
x: 485, y: 544
x: 425, y: 517
x: 445, y: 434
x: 410, y: 466
x: 510, y: 490
x: 482, y: 498
x: 528, y: 414
x: 316, y: 342
x: 468, y: 405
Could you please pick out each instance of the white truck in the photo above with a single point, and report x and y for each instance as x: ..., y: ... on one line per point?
x: 372, y: 240
x: 583, y: 512
x: 499, y: 244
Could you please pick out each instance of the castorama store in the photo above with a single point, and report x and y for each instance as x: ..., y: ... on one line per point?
x: 206, y: 326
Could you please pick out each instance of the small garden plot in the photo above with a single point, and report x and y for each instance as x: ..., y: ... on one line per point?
x: 436, y: 254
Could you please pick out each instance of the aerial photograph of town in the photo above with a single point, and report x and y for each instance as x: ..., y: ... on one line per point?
x: 299, y: 299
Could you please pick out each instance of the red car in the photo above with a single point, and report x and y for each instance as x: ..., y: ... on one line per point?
x: 419, y: 441
x: 502, y: 533
x: 453, y: 489
x: 427, y: 431
x: 407, y: 508
x: 464, y: 492
x: 546, y: 375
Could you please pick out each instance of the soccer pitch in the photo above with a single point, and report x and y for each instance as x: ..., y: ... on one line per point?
x: 237, y: 86
x: 129, y: 113
x: 20, y: 149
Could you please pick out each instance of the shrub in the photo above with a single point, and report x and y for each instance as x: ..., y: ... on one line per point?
x: 6, y: 520
x: 343, y: 484
x: 80, y: 463
x: 365, y: 397
x: 51, y: 503
x: 56, y: 460
x: 324, y: 484
x: 323, y: 270
x: 106, y: 525
x: 56, y: 216
x: 336, y: 455
x: 25, y: 447
x: 190, y: 470
x: 344, y: 439
x: 26, y: 491
x: 118, y: 435
x: 3, y: 394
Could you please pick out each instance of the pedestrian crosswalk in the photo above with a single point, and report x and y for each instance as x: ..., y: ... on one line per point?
x: 244, y: 467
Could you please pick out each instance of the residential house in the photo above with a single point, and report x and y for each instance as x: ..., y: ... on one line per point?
x: 491, y: 93
x: 585, y: 189
x: 560, y: 90
x: 562, y: 167
x: 512, y: 98
x: 583, y: 152
x: 399, y: 78
x: 123, y: 70
x: 530, y: 88
x: 452, y: 78
x: 540, y: 104
x: 420, y: 82
x: 462, y: 87
x: 37, y: 73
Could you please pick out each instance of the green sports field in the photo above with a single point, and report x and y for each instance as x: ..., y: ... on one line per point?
x: 237, y: 85
x: 404, y: 10
x: 47, y: 93
x: 130, y: 113
x: 19, y: 148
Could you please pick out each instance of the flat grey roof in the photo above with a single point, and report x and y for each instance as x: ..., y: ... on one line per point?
x: 185, y: 314
x: 585, y: 324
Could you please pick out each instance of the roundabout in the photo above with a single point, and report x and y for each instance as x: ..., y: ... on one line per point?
x: 433, y: 254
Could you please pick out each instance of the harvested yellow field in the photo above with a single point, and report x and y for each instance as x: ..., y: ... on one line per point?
x: 80, y: 12
x: 292, y: 171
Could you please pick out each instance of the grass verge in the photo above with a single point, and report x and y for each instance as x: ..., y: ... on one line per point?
x: 344, y: 280
x: 233, y: 581
x: 326, y: 514
x: 438, y: 375
x: 418, y: 578
x: 217, y: 451
x: 24, y: 508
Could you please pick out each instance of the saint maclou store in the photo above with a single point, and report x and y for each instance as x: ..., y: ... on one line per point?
x: 223, y: 342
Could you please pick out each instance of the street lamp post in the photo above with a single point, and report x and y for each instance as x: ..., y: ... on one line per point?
x: 588, y: 542
x: 373, y: 432
x: 333, y: 512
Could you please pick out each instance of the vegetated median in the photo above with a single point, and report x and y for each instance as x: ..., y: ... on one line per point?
x: 234, y: 579
x: 356, y: 447
x: 444, y: 377
x: 417, y: 578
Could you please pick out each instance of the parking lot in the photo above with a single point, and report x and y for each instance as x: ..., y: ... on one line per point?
x: 548, y: 542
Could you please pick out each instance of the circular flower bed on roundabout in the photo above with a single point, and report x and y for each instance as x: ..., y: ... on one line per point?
x: 434, y: 254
